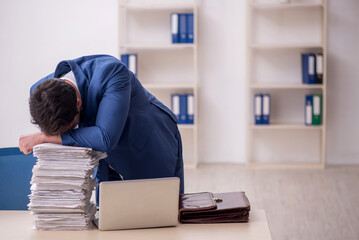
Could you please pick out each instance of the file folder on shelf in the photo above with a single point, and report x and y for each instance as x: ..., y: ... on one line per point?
x: 265, y: 109
x: 308, y: 68
x: 130, y: 60
x: 174, y: 27
x: 183, y: 109
x: 190, y: 109
x: 182, y: 27
x: 308, y: 110
x: 124, y: 59
x: 190, y: 36
x: 176, y: 105
x: 319, y: 68
x: 317, y: 109
x: 258, y: 108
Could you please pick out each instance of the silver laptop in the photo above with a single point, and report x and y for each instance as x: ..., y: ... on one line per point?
x: 138, y: 204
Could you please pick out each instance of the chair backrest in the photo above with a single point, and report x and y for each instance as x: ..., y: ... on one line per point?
x: 15, y: 176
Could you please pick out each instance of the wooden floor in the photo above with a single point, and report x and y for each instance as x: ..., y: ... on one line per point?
x: 300, y: 204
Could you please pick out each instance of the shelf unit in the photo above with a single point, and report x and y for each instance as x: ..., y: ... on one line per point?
x: 277, y: 34
x: 162, y: 67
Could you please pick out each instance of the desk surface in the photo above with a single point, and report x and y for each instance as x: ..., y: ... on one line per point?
x: 15, y: 225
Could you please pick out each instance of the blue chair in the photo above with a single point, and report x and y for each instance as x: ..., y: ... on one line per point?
x: 15, y: 176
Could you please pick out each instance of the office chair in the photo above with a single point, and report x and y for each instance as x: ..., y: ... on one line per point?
x: 15, y: 176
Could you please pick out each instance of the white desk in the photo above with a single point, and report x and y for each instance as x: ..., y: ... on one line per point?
x: 16, y: 225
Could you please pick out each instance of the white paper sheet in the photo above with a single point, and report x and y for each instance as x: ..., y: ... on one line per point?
x: 61, y: 187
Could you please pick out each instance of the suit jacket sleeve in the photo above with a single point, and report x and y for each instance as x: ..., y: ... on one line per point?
x: 111, y: 117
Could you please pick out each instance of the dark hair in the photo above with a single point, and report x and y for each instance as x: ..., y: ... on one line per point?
x: 53, y: 105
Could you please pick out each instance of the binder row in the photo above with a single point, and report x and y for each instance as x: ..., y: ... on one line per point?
x: 262, y: 109
x: 182, y: 28
x: 313, y: 109
x: 130, y: 60
x: 183, y: 107
x: 312, y: 68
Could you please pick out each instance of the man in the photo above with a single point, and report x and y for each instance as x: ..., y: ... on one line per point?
x: 95, y: 101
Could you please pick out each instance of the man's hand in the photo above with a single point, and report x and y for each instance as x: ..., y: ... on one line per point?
x: 27, y: 142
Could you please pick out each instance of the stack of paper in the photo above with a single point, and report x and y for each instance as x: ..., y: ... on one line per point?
x: 61, y: 187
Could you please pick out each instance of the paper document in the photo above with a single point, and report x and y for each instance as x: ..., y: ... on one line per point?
x: 62, y: 185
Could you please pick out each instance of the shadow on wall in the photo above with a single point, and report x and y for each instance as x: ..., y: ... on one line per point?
x: 15, y: 176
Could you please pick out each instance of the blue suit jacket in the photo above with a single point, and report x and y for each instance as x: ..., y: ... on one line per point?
x: 122, y: 118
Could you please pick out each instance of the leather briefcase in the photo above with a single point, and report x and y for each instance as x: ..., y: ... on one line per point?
x: 206, y: 207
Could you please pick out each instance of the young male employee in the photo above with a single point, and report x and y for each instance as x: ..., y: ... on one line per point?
x: 95, y: 101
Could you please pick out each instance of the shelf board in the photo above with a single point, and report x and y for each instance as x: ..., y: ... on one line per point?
x: 285, y: 126
x: 190, y: 164
x: 286, y: 5
x: 150, y: 7
x: 285, y: 86
x: 276, y: 46
x: 170, y: 86
x: 186, y: 126
x: 157, y: 46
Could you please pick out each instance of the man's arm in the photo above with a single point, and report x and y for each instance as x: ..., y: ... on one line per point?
x: 27, y: 142
x: 111, y: 117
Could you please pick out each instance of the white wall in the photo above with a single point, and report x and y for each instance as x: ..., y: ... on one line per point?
x: 35, y: 35
x: 343, y: 82
x: 222, y: 90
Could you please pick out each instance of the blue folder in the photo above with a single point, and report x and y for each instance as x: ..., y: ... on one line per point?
x: 190, y: 109
x: 309, y: 68
x: 131, y: 65
x: 175, y: 100
x: 258, y: 109
x: 124, y: 59
x: 190, y: 36
x: 183, y: 27
x: 174, y: 27
x: 183, y: 109
x: 265, y: 109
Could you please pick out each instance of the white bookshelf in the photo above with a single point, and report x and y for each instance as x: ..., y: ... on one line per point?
x: 285, y: 86
x: 158, y: 5
x: 163, y: 68
x: 285, y: 126
x: 156, y: 46
x: 289, y: 5
x: 275, y: 46
x: 277, y: 34
x: 178, y: 86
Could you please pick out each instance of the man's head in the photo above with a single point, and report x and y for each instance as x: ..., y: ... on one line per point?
x: 55, y: 106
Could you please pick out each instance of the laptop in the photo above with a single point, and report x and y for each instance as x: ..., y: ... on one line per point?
x: 143, y: 203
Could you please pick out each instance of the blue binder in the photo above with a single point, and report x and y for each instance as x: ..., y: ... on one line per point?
x: 308, y: 110
x: 174, y: 27
x: 258, y: 109
x: 182, y: 28
x: 183, y: 109
x: 265, y: 109
x: 176, y: 105
x: 190, y: 109
x: 130, y: 60
x: 124, y: 59
x: 309, y: 68
x: 190, y: 36
x: 132, y: 63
